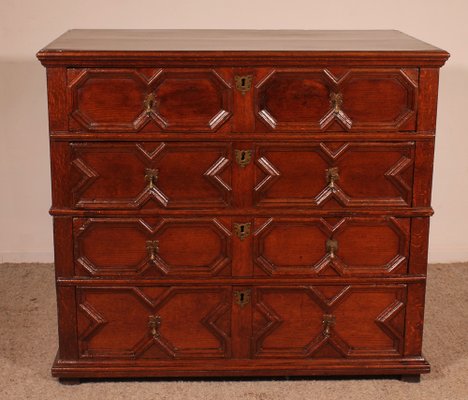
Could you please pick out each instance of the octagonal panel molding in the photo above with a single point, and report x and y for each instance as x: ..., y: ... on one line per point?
x: 349, y: 333
x: 126, y: 100
x: 124, y: 250
x: 299, y: 174
x: 383, y: 240
x: 158, y: 174
x: 207, y: 317
x: 320, y: 99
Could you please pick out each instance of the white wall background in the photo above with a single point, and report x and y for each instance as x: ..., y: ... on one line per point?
x: 28, y: 25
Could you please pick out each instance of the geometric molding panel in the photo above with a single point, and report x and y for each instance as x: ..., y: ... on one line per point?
x: 387, y: 167
x: 113, y: 322
x: 118, y: 247
x: 364, y: 246
x: 322, y: 99
x: 103, y: 100
x: 116, y: 177
x: 379, y: 333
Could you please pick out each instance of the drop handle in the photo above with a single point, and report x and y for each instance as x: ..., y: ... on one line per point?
x: 152, y: 247
x: 332, y: 175
x: 328, y: 321
x: 151, y: 176
x: 154, y: 322
x: 332, y: 247
x: 336, y: 101
x: 149, y: 103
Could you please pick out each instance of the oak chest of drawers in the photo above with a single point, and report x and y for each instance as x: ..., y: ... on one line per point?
x: 241, y: 202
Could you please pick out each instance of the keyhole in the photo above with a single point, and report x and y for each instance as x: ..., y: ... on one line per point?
x: 241, y: 297
x: 242, y: 229
x: 243, y: 156
x: 243, y: 82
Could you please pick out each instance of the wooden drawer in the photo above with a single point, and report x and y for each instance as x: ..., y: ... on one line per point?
x: 201, y: 100
x: 351, y: 246
x: 330, y: 174
x: 148, y: 99
x: 151, y: 175
x: 162, y: 247
x: 205, y: 247
x: 338, y: 321
x: 340, y: 99
x: 184, y: 175
x: 295, y: 322
x: 154, y: 322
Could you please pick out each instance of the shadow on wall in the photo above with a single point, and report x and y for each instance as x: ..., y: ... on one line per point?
x: 24, y: 163
x: 448, y: 243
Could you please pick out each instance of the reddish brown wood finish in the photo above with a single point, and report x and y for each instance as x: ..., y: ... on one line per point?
x: 103, y: 100
x: 115, y: 322
x: 290, y: 322
x: 369, y: 174
x: 364, y: 246
x: 155, y: 174
x: 372, y: 99
x: 149, y: 201
x: 184, y: 247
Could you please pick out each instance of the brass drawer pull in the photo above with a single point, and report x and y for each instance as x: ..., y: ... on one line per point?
x: 149, y: 103
x: 332, y: 247
x: 336, y: 101
x: 332, y: 176
x: 243, y: 83
x: 151, y: 176
x: 154, y: 323
x: 336, y: 112
x: 152, y: 246
x: 243, y: 157
x: 242, y: 230
x: 328, y: 321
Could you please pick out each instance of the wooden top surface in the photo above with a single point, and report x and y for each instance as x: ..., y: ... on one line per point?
x: 208, y: 48
x: 236, y: 40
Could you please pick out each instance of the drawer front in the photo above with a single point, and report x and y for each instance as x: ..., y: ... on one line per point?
x: 146, y: 99
x: 333, y: 174
x: 351, y: 246
x: 162, y: 247
x: 154, y: 322
x: 328, y: 321
x: 315, y: 100
x: 151, y: 175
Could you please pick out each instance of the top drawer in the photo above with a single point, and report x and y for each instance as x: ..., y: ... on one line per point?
x: 295, y: 100
x: 148, y: 100
x: 315, y: 100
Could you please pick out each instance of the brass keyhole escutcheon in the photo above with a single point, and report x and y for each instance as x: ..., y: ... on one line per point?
x: 242, y: 297
x: 242, y: 230
x: 243, y: 157
x: 243, y: 83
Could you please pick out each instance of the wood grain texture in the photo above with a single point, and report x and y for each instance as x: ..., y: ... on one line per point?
x: 205, y: 228
x: 230, y: 47
x: 371, y: 99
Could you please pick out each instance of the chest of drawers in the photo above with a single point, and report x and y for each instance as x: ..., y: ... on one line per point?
x: 240, y: 202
